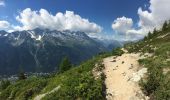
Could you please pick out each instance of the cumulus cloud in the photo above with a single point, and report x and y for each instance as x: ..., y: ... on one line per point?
x: 154, y: 17
x: 122, y: 24
x: 61, y: 21
x: 2, y: 3
x: 4, y: 25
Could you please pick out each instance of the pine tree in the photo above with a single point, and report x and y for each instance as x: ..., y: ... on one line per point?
x: 149, y: 35
x: 65, y: 65
x: 169, y: 24
x: 21, y: 75
x: 165, y: 26
x: 155, y: 31
x: 145, y: 38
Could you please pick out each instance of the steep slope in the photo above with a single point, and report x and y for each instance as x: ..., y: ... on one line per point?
x: 42, y: 50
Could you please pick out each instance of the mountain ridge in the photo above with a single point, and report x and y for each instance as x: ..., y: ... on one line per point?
x: 42, y: 50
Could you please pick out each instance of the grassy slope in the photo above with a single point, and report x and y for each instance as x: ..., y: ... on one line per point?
x: 76, y: 83
x: 157, y: 83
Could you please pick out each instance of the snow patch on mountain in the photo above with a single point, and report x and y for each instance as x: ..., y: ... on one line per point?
x: 39, y: 38
x: 33, y: 36
x: 6, y: 35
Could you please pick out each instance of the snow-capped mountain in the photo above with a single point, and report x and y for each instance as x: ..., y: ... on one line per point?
x: 42, y: 50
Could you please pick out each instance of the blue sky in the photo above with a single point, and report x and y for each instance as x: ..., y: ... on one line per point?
x: 101, y: 12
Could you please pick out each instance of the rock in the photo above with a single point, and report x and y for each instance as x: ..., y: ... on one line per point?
x: 138, y: 75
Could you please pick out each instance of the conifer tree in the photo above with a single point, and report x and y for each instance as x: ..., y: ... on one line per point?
x: 165, y: 26
x: 149, y: 35
x: 65, y: 65
x: 145, y: 38
x: 21, y: 75
x: 155, y: 31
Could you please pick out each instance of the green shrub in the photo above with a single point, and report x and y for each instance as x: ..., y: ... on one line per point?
x: 79, y: 83
x: 4, y: 84
x: 163, y: 91
x: 117, y: 52
x: 23, y: 89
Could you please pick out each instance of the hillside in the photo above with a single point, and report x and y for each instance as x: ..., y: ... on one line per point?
x: 148, y: 60
x: 76, y: 83
x: 155, y: 47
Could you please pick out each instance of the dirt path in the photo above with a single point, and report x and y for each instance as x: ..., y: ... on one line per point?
x: 122, y: 77
x: 39, y: 97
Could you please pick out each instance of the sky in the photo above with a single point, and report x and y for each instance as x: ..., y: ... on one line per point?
x: 111, y: 19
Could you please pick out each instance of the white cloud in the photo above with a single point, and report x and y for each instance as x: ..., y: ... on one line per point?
x: 61, y: 21
x: 154, y: 17
x: 122, y: 24
x: 157, y: 14
x: 2, y: 3
x: 4, y: 25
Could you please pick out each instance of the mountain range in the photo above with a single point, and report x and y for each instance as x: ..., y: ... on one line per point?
x: 41, y: 50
